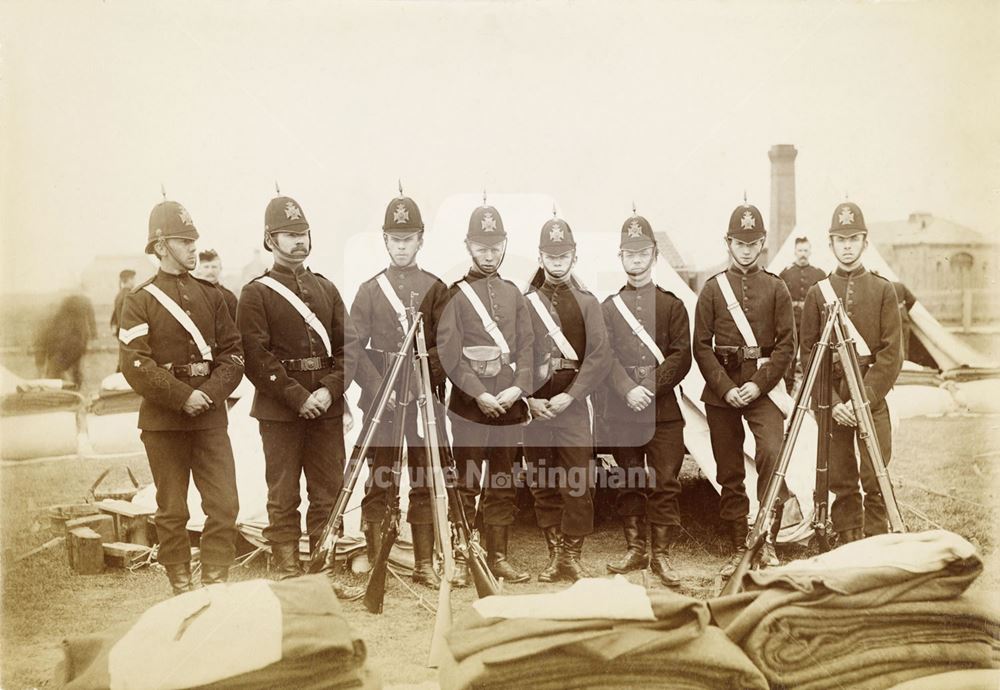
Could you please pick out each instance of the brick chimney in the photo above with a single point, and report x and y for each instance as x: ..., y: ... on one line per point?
x: 782, y: 221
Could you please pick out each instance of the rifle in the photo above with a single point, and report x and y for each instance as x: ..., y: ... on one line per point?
x: 462, y: 535
x: 325, y: 554
x: 375, y: 590
x: 439, y: 498
x: 824, y: 419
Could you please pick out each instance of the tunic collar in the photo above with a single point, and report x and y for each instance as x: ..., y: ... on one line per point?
x: 857, y: 272
x: 738, y: 270
x: 284, y: 270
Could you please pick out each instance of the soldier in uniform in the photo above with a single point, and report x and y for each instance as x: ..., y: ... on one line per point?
x: 799, y: 277
x: 379, y: 316
x: 181, y: 352
x: 906, y: 300
x: 743, y: 343
x: 870, y: 303
x: 301, y: 352
x: 571, y: 358
x: 126, y: 281
x: 485, y: 340
x: 210, y: 268
x: 651, y: 342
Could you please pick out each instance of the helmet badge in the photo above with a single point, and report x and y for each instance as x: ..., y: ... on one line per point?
x: 400, y: 214
x: 556, y: 233
x: 634, y: 230
x: 846, y: 216
x: 292, y: 211
x: 489, y: 223
x: 747, y: 221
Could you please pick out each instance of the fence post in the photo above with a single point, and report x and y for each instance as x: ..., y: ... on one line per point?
x: 966, y: 310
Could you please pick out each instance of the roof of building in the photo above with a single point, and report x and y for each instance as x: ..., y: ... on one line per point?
x: 669, y: 250
x: 926, y: 228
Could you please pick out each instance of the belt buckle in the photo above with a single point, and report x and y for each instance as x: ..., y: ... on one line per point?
x: 311, y: 364
x: 751, y: 352
x: 200, y: 369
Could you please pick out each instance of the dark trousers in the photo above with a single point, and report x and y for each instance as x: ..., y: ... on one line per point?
x: 498, y: 445
x: 312, y: 446
x: 205, y: 454
x: 381, y: 459
x: 561, y: 472
x: 725, y: 429
x: 849, y: 510
x: 664, y: 454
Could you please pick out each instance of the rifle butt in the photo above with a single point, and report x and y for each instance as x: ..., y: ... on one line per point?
x: 442, y: 624
x: 486, y: 584
x: 375, y: 589
x: 734, y: 584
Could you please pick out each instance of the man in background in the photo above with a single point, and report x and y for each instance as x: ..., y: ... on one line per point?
x: 210, y: 268
x: 126, y: 281
x: 799, y: 277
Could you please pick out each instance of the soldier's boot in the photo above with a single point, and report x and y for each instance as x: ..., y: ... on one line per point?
x: 571, y: 566
x: 554, y: 540
x: 635, y: 545
x: 496, y: 555
x: 664, y: 537
x: 214, y: 574
x: 738, y: 539
x: 768, y: 556
x: 285, y: 560
x: 373, y: 541
x: 849, y: 535
x: 423, y: 556
x: 461, y: 576
x: 179, y: 575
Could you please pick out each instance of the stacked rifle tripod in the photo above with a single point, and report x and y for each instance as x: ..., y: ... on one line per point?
x: 411, y: 365
x: 835, y: 337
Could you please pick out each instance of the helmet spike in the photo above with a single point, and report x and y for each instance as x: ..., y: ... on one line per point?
x: 634, y: 212
x: 484, y: 196
x: 163, y: 191
x: 744, y: 196
x: 277, y: 189
x: 399, y: 183
x: 554, y: 215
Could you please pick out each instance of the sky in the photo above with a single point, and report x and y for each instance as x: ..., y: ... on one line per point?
x: 672, y: 105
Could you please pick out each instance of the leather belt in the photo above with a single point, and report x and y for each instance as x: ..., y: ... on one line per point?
x: 737, y: 354
x: 558, y: 363
x: 641, y: 371
x: 307, y: 364
x: 191, y: 370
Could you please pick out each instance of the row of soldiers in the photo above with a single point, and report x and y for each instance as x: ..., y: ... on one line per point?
x: 522, y: 367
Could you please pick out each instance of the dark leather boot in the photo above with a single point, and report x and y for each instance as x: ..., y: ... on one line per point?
x: 423, y: 556
x: 738, y: 539
x: 635, y: 546
x: 768, y: 557
x: 571, y: 565
x: 849, y: 535
x: 373, y: 541
x: 664, y: 537
x: 461, y: 576
x: 214, y: 574
x: 285, y: 560
x: 553, y: 539
x: 496, y: 555
x: 179, y: 575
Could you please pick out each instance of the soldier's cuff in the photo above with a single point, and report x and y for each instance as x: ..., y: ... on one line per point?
x: 179, y: 394
x: 296, y: 395
x: 334, y: 383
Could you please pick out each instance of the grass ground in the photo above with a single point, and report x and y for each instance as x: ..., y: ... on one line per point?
x: 945, y: 470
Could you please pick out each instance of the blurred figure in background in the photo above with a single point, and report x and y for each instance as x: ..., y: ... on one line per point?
x: 126, y: 281
x: 62, y: 341
x: 210, y: 268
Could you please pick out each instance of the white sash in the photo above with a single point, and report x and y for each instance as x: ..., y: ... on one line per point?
x: 182, y: 318
x: 829, y: 296
x: 491, y: 326
x: 553, y: 330
x: 778, y: 395
x: 394, y: 301
x: 638, y: 329
x: 298, y: 305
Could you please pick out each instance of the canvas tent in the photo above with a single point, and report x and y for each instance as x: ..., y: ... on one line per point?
x: 931, y: 343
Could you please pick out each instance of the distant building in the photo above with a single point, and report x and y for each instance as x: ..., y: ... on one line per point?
x: 99, y: 280
x: 950, y: 268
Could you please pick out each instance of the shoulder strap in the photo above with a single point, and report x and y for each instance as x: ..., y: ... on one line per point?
x: 298, y: 305
x: 553, y: 330
x: 182, y: 318
x: 638, y: 329
x: 491, y: 326
x: 394, y: 301
x: 829, y: 296
x: 736, y: 311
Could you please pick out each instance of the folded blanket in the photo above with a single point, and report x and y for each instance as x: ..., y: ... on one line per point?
x: 246, y: 635
x: 599, y: 652
x: 818, y: 647
x: 912, y: 567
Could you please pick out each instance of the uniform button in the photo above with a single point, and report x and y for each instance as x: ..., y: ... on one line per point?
x: 185, y: 297
x: 638, y: 308
x: 192, y: 358
x: 188, y: 312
